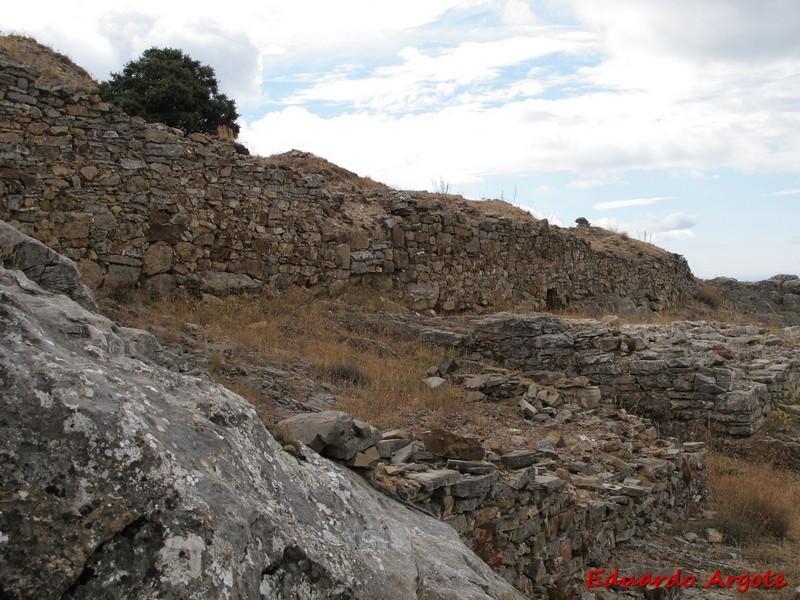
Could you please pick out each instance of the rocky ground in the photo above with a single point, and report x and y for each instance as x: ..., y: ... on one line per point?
x: 496, y: 418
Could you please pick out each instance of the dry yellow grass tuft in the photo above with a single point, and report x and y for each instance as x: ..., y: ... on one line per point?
x: 757, y: 509
x: 379, y: 372
x: 710, y: 296
x: 754, y: 500
x: 310, y: 164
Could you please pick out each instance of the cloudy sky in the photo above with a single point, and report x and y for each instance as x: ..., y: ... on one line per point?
x: 678, y: 121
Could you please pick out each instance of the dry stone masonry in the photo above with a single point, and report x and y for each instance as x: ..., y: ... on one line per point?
x: 687, y: 376
x: 143, y: 204
x: 539, y: 516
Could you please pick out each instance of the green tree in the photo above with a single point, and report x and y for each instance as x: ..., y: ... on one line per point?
x: 167, y: 86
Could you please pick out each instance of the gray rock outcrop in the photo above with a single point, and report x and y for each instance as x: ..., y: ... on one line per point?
x: 46, y: 267
x: 121, y: 479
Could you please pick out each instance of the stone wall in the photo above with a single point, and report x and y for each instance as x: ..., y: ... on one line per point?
x: 685, y: 375
x: 142, y: 204
x: 539, y: 517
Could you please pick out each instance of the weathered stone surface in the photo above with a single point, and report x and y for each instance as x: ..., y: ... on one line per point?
x: 386, y: 448
x: 318, y: 430
x: 157, y: 259
x: 443, y: 338
x: 432, y: 480
x: 44, y: 266
x: 115, y: 466
x: 434, y: 382
x: 365, y: 459
x: 519, y: 459
x: 474, y: 485
x: 395, y: 434
x: 471, y: 466
x: 528, y: 410
x: 723, y: 377
x: 221, y: 284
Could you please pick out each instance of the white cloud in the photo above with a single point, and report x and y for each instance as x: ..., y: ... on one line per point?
x: 586, y: 183
x: 591, y: 180
x: 551, y: 218
x: 632, y: 202
x: 653, y: 228
x: 792, y: 192
x: 429, y: 78
x: 664, y: 90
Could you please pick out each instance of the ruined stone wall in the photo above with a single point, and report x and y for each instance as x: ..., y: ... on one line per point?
x: 141, y: 204
x: 686, y: 375
x: 540, y: 521
x: 539, y: 517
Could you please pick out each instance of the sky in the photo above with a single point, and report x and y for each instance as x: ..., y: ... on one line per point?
x: 677, y: 122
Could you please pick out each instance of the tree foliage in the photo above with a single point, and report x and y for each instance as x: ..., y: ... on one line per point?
x: 167, y: 86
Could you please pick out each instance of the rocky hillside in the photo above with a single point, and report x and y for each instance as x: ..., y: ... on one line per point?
x: 557, y: 482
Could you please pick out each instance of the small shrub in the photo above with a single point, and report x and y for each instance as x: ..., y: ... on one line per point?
x: 165, y: 85
x: 123, y: 293
x: 441, y: 186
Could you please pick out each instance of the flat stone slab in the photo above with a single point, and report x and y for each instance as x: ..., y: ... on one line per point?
x: 432, y: 480
x: 452, y: 445
x: 469, y: 485
x: 471, y: 466
x: 548, y: 482
x: 519, y: 459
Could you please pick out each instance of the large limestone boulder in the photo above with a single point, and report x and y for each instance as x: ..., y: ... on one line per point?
x: 123, y: 480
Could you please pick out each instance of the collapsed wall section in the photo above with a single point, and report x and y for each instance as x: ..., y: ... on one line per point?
x: 688, y: 376
x: 138, y: 204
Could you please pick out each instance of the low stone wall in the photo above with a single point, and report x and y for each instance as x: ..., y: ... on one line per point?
x: 538, y: 516
x: 686, y: 375
x: 141, y: 204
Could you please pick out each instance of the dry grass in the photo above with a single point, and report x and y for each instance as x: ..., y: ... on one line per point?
x: 710, y: 296
x: 55, y: 67
x: 225, y: 133
x: 757, y: 510
x: 620, y: 243
x: 754, y: 501
x: 379, y: 372
x: 310, y: 164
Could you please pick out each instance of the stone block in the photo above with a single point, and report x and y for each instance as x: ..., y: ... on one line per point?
x: 157, y: 259
x: 452, y: 445
x: 432, y: 480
